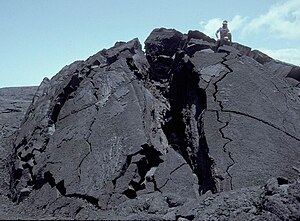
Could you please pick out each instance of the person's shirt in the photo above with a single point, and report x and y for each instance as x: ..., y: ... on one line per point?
x: 223, y: 32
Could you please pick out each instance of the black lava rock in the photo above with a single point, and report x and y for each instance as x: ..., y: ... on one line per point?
x: 177, y: 132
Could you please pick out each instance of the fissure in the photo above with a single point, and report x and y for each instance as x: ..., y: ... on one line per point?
x: 226, y: 123
x: 185, y: 132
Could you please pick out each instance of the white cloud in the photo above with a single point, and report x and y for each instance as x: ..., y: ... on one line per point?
x: 211, y: 26
x: 237, y: 22
x: 289, y: 55
x: 282, y: 21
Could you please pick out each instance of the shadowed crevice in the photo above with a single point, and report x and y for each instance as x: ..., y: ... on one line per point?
x: 185, y: 129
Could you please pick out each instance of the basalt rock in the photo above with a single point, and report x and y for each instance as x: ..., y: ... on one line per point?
x: 177, y: 132
x: 13, y: 105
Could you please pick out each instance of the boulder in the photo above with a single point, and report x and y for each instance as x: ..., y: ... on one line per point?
x: 176, y: 132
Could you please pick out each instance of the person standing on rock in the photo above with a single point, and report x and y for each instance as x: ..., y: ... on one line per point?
x: 225, y: 35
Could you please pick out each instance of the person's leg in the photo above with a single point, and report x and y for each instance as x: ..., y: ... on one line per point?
x: 230, y: 37
x: 217, y: 45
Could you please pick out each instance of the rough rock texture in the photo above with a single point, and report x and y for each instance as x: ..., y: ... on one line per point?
x: 177, y: 132
x: 13, y: 105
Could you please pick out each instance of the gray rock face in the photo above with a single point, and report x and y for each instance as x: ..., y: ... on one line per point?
x: 176, y: 132
x: 13, y: 105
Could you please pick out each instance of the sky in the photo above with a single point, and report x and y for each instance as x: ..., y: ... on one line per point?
x: 39, y: 37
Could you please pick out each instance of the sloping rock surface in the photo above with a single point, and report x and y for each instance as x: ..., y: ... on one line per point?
x: 13, y: 105
x: 177, y: 132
